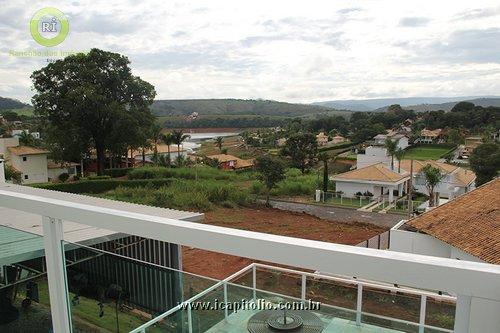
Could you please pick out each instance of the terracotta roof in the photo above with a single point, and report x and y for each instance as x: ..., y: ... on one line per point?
x: 376, y: 172
x: 470, y: 222
x: 239, y: 163
x: 223, y: 157
x: 53, y: 165
x: 431, y: 133
x: 26, y: 150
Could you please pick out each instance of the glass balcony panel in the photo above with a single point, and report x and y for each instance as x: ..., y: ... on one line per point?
x: 112, y: 293
x: 24, y: 296
x: 391, y: 325
x: 279, y: 282
x: 385, y: 303
x: 336, y: 298
x: 177, y: 322
x: 207, y: 310
x: 440, y: 313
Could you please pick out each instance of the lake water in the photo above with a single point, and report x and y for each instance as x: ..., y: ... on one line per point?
x: 194, y: 142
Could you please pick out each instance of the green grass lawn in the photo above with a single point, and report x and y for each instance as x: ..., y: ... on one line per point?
x: 426, y: 152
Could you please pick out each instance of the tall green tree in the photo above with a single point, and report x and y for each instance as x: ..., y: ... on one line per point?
x: 432, y: 177
x: 323, y: 157
x: 485, y: 162
x: 391, y: 146
x: 178, y: 137
x: 219, y: 141
x: 302, y: 149
x: 271, y: 172
x: 85, y: 96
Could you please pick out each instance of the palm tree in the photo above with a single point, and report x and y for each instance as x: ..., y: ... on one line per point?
x: 178, y: 137
x: 26, y: 139
x: 432, y: 177
x: 391, y: 147
x: 156, y: 136
x: 168, y: 140
x: 399, y: 153
x: 219, y: 141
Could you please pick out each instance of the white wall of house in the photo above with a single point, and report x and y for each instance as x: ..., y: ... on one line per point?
x: 418, y: 243
x: 373, y: 155
x: 403, y: 143
x: 149, y: 157
x: 33, y: 168
x: 54, y: 173
x: 350, y: 189
x: 447, y: 188
x: 6, y: 143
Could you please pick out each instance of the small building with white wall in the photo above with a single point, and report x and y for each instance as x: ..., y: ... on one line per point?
x: 54, y: 169
x: 455, y: 181
x: 376, y: 179
x: 31, y: 162
x: 466, y: 228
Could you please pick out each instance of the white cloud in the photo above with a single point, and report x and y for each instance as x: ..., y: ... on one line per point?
x: 298, y: 51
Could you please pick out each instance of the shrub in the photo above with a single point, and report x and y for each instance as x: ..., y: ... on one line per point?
x: 257, y: 188
x: 97, y: 177
x: 12, y: 174
x: 101, y: 185
x: 185, y: 173
x: 63, y: 177
x: 117, y: 172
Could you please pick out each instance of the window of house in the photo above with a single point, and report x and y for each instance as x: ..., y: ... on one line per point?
x: 25, y: 158
x: 25, y: 176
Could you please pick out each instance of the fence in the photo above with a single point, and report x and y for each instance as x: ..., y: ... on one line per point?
x: 338, y: 199
x: 380, y: 241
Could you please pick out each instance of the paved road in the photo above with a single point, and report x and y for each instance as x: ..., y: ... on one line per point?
x: 339, y: 214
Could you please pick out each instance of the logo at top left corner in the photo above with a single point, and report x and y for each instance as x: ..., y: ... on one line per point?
x: 49, y: 27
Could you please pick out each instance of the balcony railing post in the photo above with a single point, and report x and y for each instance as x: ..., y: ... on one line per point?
x: 190, y: 318
x: 423, y: 305
x: 56, y: 274
x: 359, y: 304
x: 226, y: 313
x: 254, y: 283
x: 303, y: 288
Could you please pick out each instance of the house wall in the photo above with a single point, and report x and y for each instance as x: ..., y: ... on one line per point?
x: 417, y: 243
x: 6, y: 143
x: 447, y: 188
x: 149, y: 157
x: 403, y: 143
x: 373, y: 155
x: 54, y: 173
x: 350, y: 188
x: 35, y: 167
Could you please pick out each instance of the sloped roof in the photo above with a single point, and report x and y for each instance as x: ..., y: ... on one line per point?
x: 239, y: 163
x: 471, y: 222
x: 431, y: 133
x: 462, y: 176
x: 162, y: 149
x: 26, y: 150
x: 53, y: 165
x: 376, y: 172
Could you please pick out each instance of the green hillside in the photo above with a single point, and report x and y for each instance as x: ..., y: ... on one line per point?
x: 9, y: 103
x: 237, y: 107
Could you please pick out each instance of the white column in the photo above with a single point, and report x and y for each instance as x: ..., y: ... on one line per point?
x: 475, y: 314
x: 400, y: 189
x: 2, y: 170
x: 391, y: 195
x: 462, y: 314
x: 56, y: 274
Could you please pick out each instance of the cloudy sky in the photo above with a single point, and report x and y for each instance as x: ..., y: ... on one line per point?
x: 297, y: 51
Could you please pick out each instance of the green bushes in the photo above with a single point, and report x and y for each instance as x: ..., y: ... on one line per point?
x: 185, y: 173
x: 117, y: 172
x: 101, y: 185
x: 199, y: 195
x: 63, y: 177
x: 294, y: 184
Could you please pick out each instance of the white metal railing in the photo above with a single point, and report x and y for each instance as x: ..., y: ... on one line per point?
x: 358, y: 313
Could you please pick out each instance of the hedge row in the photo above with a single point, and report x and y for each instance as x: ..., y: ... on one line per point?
x: 117, y: 172
x: 102, y: 185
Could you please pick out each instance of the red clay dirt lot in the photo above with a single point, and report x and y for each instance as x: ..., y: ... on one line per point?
x: 272, y: 221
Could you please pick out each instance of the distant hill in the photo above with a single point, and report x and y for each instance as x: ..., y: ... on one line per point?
x: 381, y: 103
x: 484, y: 102
x: 9, y: 103
x: 237, y: 107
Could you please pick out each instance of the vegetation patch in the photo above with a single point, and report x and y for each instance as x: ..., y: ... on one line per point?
x: 427, y: 152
